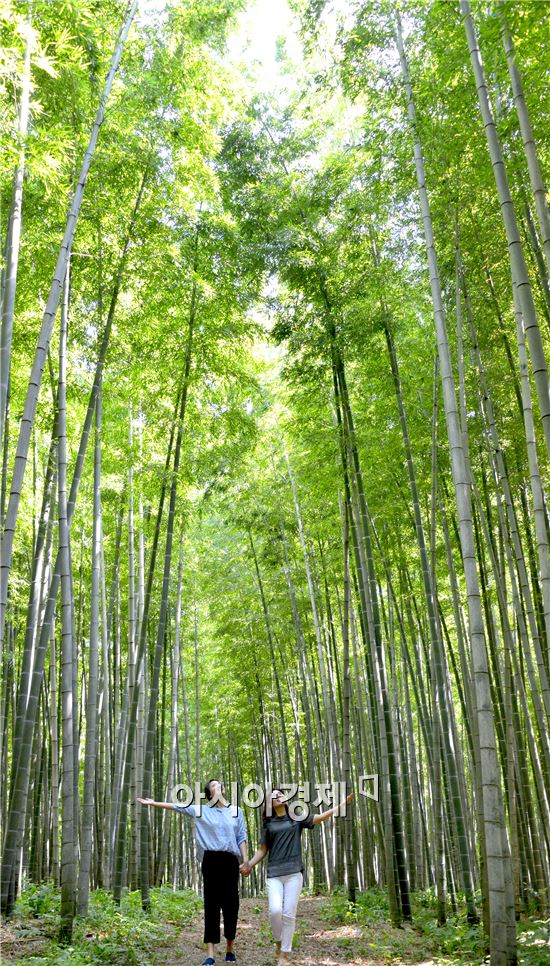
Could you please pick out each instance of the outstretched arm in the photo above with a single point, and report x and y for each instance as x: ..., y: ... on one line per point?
x: 322, y: 816
x: 149, y: 801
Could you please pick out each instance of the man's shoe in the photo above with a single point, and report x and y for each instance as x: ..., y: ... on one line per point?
x: 209, y: 961
x: 230, y: 958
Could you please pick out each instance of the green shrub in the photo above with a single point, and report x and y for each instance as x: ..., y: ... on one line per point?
x: 37, y: 900
x: 119, y: 935
x: 370, y: 906
x: 179, y: 908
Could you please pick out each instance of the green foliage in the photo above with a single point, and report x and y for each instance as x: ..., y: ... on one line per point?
x: 283, y: 233
x: 534, y: 941
x: 123, y: 935
x: 457, y: 938
x: 370, y: 906
x: 37, y: 900
x: 457, y: 942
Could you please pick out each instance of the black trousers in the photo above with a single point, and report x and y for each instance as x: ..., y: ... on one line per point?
x: 220, y: 875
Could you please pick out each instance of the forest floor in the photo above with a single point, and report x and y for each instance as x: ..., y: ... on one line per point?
x: 318, y: 942
x: 327, y: 933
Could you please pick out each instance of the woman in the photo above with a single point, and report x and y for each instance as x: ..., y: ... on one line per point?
x: 221, y: 842
x: 281, y: 841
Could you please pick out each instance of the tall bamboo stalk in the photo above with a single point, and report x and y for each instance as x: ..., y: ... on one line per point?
x: 520, y: 275
x: 68, y: 829
x: 13, y: 239
x: 91, y: 698
x: 50, y: 311
x: 529, y: 144
x: 502, y: 922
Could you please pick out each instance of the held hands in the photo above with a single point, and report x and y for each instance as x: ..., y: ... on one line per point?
x: 146, y: 801
x: 349, y: 798
x: 245, y: 868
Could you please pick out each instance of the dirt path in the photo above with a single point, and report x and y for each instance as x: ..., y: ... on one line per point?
x: 320, y: 943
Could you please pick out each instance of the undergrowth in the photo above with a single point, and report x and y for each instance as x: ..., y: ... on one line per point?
x: 457, y: 942
x: 120, y: 935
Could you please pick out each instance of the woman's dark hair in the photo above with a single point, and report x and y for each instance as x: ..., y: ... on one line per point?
x: 207, y: 791
x: 265, y: 816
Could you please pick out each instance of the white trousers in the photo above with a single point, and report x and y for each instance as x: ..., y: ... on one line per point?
x: 283, y: 892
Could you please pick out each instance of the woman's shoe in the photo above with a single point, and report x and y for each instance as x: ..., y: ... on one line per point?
x: 209, y: 961
x: 230, y: 958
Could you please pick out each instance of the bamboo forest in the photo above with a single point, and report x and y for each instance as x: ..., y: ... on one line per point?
x: 274, y: 453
